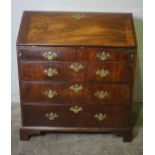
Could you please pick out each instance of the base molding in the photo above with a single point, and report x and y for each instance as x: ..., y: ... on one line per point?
x: 27, y: 132
x: 127, y: 135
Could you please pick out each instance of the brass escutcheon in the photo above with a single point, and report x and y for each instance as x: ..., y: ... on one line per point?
x: 103, y: 56
x: 100, y: 116
x: 102, y: 73
x: 76, y: 67
x: 51, y: 116
x: 50, y: 93
x: 77, y: 16
x: 50, y: 55
x: 101, y: 94
x: 76, y: 87
x: 50, y: 72
x: 76, y: 109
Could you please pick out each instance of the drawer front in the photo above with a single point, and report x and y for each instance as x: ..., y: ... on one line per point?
x: 75, y: 71
x: 74, y: 54
x: 75, y: 93
x: 75, y: 116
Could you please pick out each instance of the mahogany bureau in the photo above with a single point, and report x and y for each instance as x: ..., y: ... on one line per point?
x: 76, y: 72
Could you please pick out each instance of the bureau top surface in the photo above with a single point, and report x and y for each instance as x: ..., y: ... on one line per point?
x: 77, y: 29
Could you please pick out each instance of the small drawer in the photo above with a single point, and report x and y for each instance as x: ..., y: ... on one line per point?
x: 74, y: 54
x: 75, y: 116
x: 75, y: 71
x: 75, y: 93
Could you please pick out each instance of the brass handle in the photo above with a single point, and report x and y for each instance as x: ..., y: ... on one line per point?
x: 103, y: 56
x: 51, y: 116
x: 50, y: 93
x: 76, y: 67
x: 101, y: 94
x: 50, y: 72
x: 100, y: 116
x: 50, y: 55
x: 76, y: 87
x: 76, y: 109
x: 102, y: 73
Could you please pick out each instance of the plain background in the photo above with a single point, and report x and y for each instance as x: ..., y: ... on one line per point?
x: 133, y: 6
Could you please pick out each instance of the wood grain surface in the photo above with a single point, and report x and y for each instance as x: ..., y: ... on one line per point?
x: 66, y: 95
x: 91, y: 29
x: 116, y: 116
x: 36, y: 53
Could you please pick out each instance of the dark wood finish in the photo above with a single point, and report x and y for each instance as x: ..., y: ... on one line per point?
x: 117, y: 117
x: 118, y: 72
x: 127, y: 135
x: 66, y: 95
x: 26, y: 134
x: 92, y: 29
x: 35, y: 53
x: 76, y: 40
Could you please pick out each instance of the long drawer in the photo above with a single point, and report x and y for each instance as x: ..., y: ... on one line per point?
x: 75, y: 71
x: 75, y: 93
x: 75, y: 54
x: 75, y: 116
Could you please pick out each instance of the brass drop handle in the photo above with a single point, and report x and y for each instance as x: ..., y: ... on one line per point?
x: 51, y: 116
x: 100, y: 116
x: 102, y: 73
x: 101, y: 94
x: 103, y: 56
x: 50, y: 72
x: 50, y: 93
x: 76, y: 67
x: 76, y: 88
x: 50, y: 55
x: 76, y: 109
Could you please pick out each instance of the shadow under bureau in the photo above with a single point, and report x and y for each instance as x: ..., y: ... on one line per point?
x: 76, y: 72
